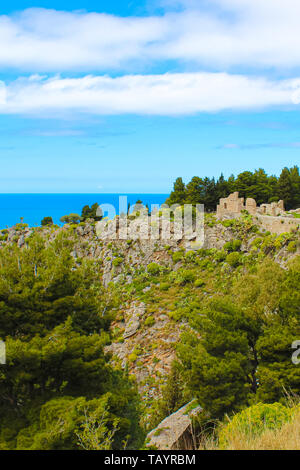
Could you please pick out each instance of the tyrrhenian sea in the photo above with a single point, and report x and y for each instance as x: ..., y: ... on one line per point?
x: 33, y: 207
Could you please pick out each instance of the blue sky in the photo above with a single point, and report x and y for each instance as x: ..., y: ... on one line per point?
x: 121, y: 96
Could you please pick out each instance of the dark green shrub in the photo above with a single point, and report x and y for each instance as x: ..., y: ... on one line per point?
x: 233, y: 245
x: 117, y: 261
x: 164, y: 286
x: 47, y: 221
x: 233, y: 259
x: 292, y: 247
x: 199, y: 283
x: 153, y: 269
x: 177, y: 256
x: 149, y: 321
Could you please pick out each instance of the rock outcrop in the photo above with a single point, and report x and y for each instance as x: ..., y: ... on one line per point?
x: 175, y: 431
x: 133, y: 319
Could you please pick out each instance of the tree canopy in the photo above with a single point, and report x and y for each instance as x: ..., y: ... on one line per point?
x: 244, y: 354
x: 58, y: 389
x: 257, y: 185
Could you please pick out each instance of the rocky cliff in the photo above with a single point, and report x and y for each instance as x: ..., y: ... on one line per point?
x: 153, y: 306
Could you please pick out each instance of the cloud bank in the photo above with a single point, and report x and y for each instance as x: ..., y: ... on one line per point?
x: 168, y: 94
x: 217, y: 37
x: 219, y: 34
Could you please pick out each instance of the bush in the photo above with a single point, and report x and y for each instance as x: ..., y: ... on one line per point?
x: 190, y: 256
x: 220, y: 256
x: 292, y: 247
x: 117, y: 261
x: 233, y: 245
x: 70, y: 219
x: 164, y: 286
x: 254, y: 420
x: 47, y: 221
x: 233, y: 259
x: 185, y: 276
x: 132, y: 357
x: 228, y: 223
x: 3, y: 237
x: 153, y: 269
x: 177, y: 256
x: 21, y: 226
x: 199, y: 283
x: 149, y: 321
x: 257, y: 242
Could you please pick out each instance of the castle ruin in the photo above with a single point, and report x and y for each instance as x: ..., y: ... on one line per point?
x: 234, y: 205
x: 271, y: 217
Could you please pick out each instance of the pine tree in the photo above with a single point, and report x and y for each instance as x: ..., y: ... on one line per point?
x: 178, y: 195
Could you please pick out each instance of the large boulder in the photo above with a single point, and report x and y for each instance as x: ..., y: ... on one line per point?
x: 133, y: 316
x: 175, y: 431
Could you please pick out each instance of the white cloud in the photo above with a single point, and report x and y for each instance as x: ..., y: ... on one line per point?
x: 167, y: 94
x: 214, y: 33
x: 39, y: 39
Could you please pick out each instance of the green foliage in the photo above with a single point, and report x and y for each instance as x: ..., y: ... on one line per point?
x: 21, y: 226
x: 220, y: 366
x: 244, y: 351
x: 292, y: 247
x: 257, y: 185
x: 40, y: 286
x: 233, y: 245
x: 164, y: 286
x: 132, y: 357
x: 177, y: 256
x: 184, y: 276
x: 4, y: 236
x: 149, y: 321
x: 233, y: 259
x: 220, y: 256
x: 117, y: 261
x: 153, y: 269
x: 254, y: 420
x: 47, y: 221
x: 178, y: 195
x: 53, y: 317
x: 91, y: 212
x: 199, y: 283
x: 173, y: 396
x: 70, y: 219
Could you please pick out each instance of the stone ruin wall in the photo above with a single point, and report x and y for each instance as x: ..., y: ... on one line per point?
x: 270, y: 216
x: 278, y: 224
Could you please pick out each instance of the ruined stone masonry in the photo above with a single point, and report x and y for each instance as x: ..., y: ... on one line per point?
x: 272, y: 217
x: 234, y: 205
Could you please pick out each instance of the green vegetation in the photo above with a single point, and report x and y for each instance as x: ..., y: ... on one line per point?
x: 153, y: 269
x: 233, y: 259
x: 117, y: 261
x: 257, y: 185
x: 244, y: 354
x: 226, y: 318
x: 255, y: 420
x: 90, y: 212
x: 57, y: 379
x: 70, y: 219
x: 47, y: 221
x: 149, y: 321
